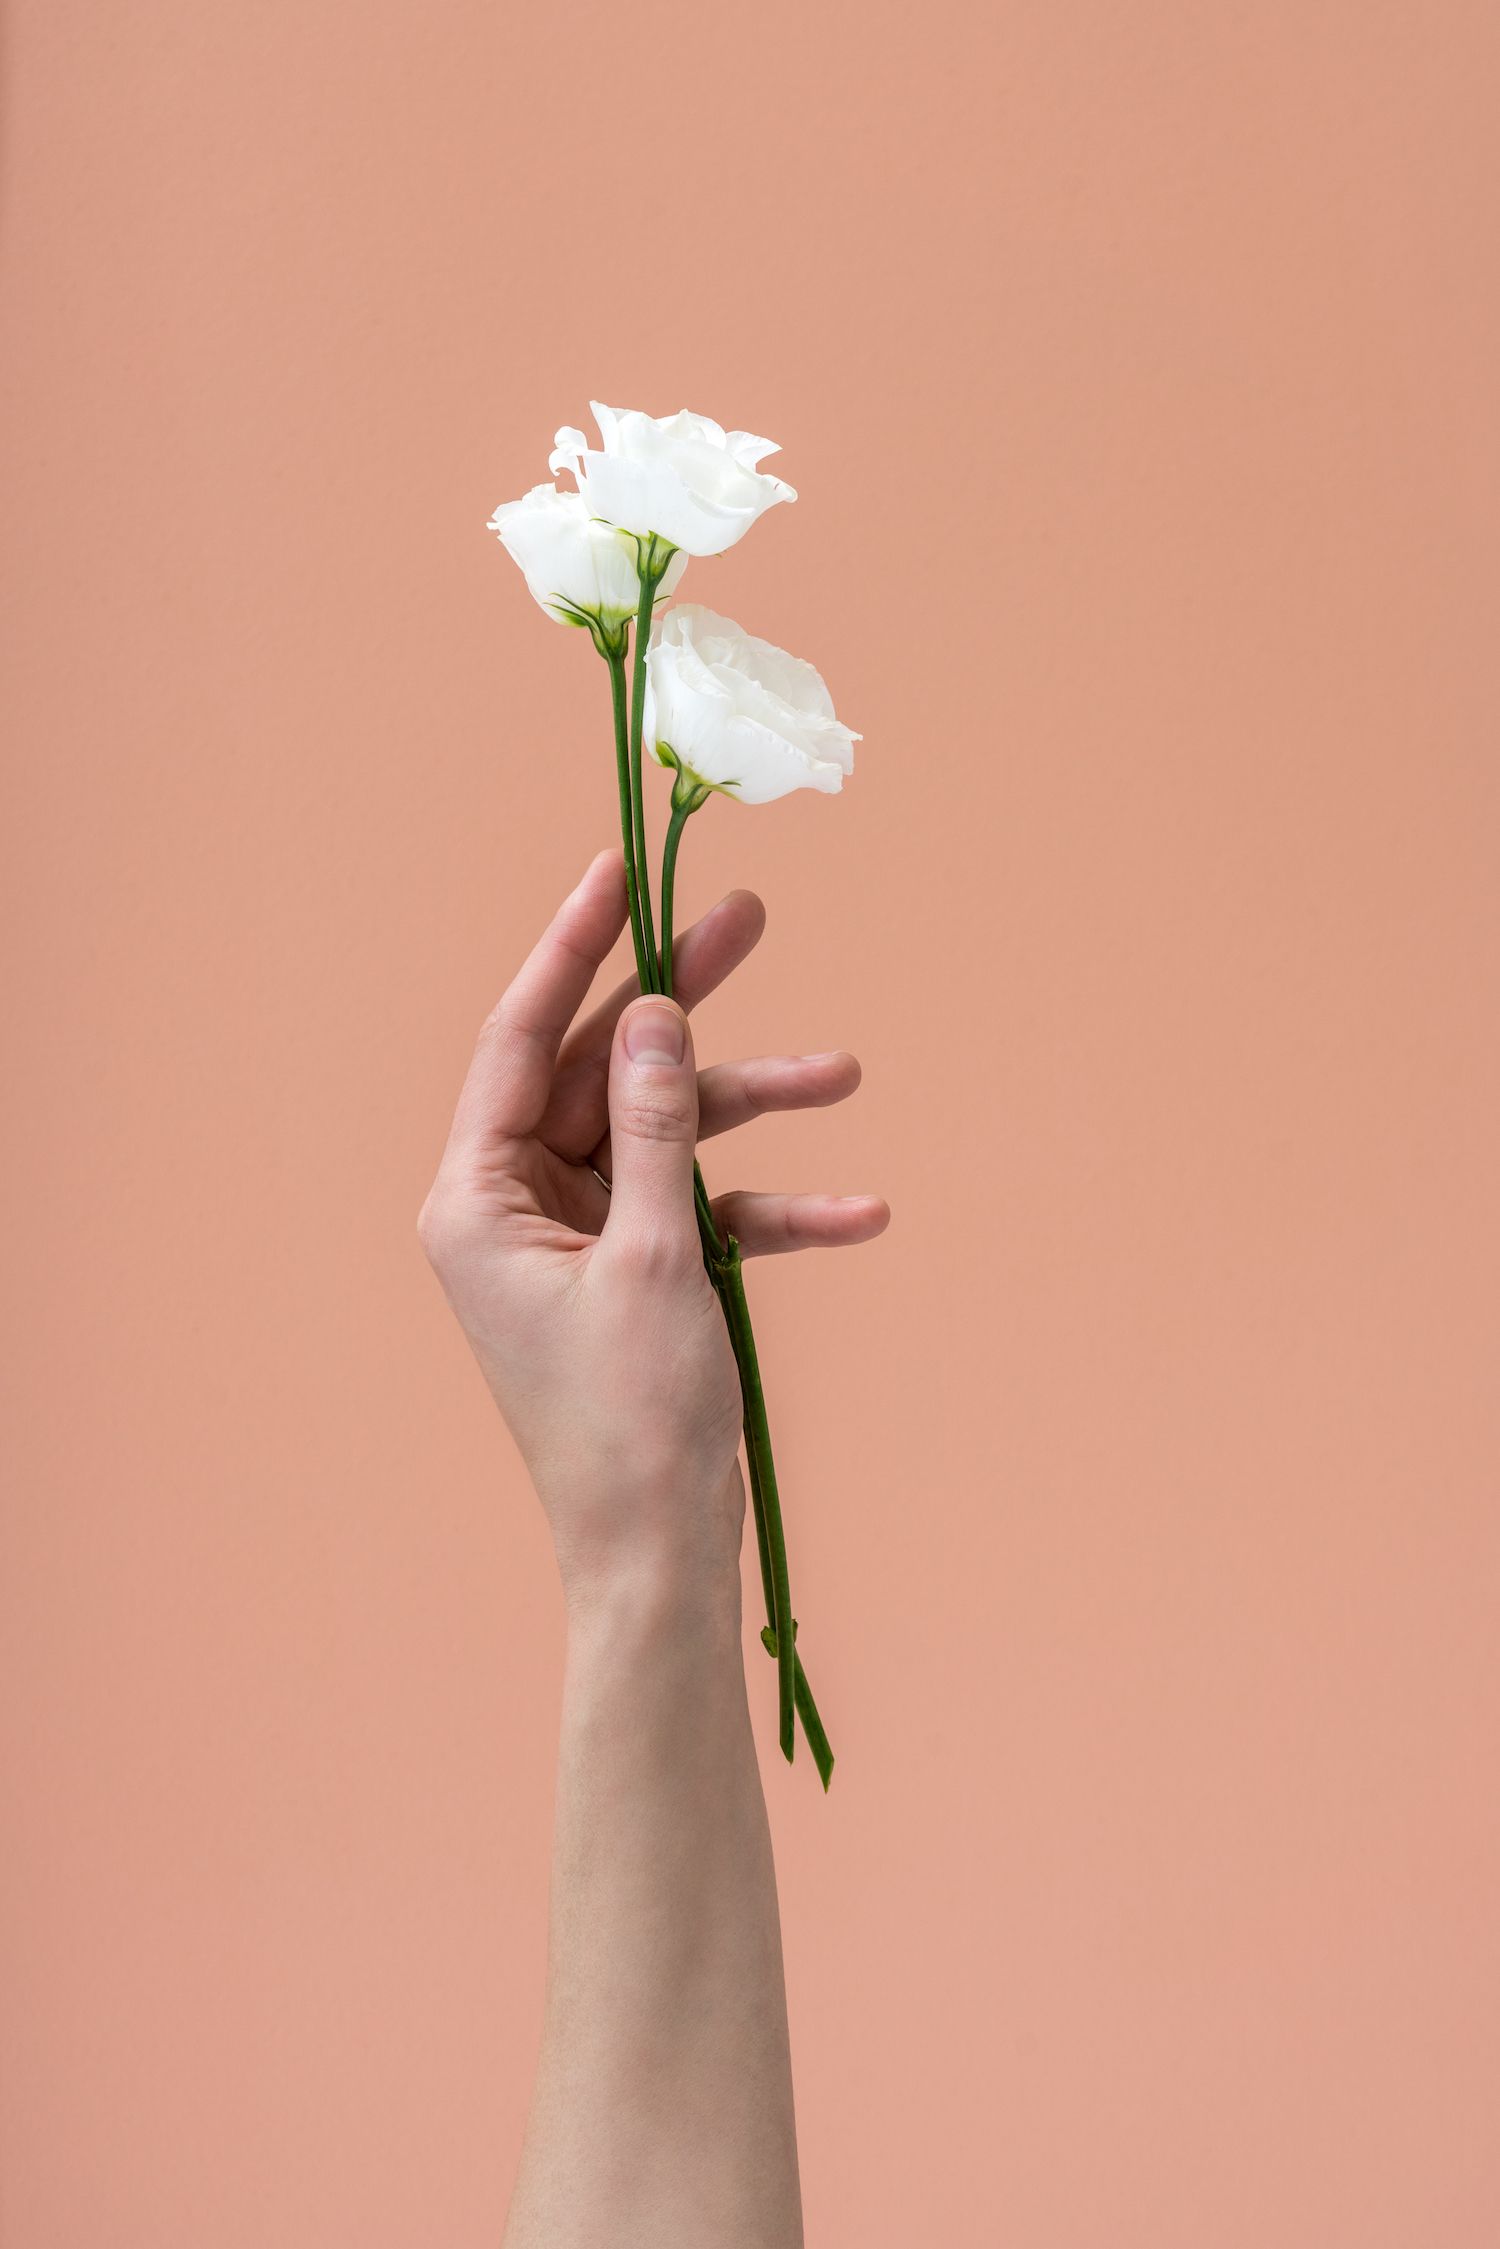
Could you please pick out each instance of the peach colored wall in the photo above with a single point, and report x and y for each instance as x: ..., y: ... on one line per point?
x: 1138, y: 367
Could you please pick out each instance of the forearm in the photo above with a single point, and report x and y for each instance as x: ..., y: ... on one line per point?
x: 663, y: 2105
x: 563, y: 1224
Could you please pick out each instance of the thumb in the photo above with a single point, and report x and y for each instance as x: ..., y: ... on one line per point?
x: 653, y: 1130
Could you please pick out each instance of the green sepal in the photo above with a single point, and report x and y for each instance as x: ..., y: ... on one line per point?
x: 609, y: 635
x: 689, y: 790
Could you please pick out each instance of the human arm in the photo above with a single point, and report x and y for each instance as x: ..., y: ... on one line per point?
x: 663, y: 2105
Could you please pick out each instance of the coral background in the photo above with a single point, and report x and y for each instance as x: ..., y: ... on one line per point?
x: 1138, y: 369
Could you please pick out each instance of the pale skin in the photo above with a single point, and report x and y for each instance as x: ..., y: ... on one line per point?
x: 662, y: 2109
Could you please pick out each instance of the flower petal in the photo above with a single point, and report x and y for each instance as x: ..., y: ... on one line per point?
x: 568, y: 449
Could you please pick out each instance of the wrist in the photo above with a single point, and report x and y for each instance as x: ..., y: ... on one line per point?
x: 654, y: 1682
x: 645, y: 1587
x: 654, y: 1545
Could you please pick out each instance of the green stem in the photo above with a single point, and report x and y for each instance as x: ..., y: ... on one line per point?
x: 651, y: 567
x: 713, y: 1248
x: 681, y: 814
x: 763, y: 1469
x: 794, y: 1695
x: 813, y: 1729
x: 616, y: 661
x: 723, y: 1262
x: 707, y: 1226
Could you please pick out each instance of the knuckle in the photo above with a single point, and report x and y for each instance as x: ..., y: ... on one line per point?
x: 440, y: 1225
x: 754, y: 1095
x: 655, y: 1254
x: 658, y: 1113
x: 430, y: 1227
x: 508, y: 1019
x: 427, y: 1233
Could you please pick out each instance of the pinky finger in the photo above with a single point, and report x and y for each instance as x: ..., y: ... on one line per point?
x: 765, y: 1225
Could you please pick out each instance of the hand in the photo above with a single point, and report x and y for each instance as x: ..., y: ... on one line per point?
x: 590, y: 1311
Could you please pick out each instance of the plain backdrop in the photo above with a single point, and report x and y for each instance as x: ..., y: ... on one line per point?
x: 1137, y: 365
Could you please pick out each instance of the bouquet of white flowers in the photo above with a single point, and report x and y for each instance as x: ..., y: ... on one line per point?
x: 728, y: 715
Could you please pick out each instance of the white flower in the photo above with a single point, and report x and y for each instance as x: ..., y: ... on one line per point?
x: 580, y: 570
x: 681, y: 477
x: 731, y: 712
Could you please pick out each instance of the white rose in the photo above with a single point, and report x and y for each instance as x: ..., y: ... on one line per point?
x: 731, y: 712
x: 681, y: 477
x: 580, y: 570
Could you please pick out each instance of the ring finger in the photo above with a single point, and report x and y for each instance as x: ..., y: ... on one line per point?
x: 769, y: 1225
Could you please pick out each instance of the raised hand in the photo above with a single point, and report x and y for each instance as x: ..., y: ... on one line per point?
x: 589, y: 1310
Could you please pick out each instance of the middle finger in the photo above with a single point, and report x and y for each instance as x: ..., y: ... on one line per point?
x: 731, y: 1093
x: 703, y: 957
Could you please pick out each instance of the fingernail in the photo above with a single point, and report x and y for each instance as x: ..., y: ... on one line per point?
x: 655, y: 1034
